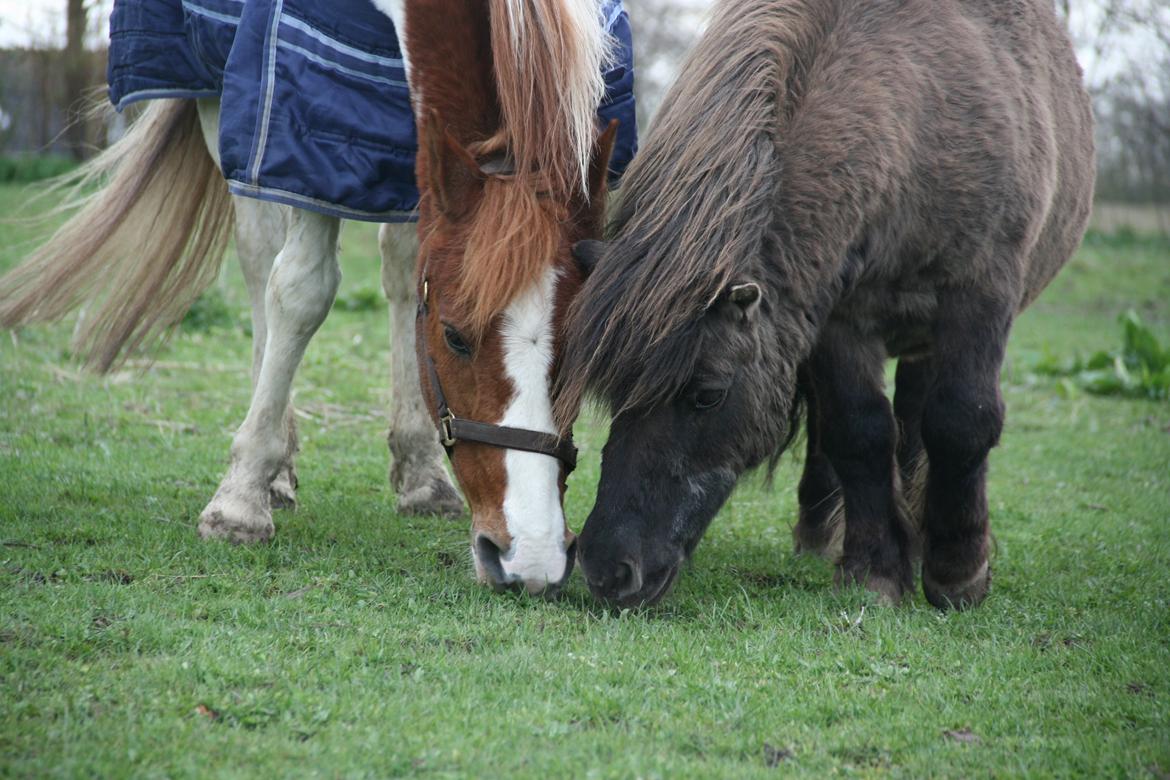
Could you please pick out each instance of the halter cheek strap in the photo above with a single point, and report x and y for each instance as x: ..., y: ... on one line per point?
x: 453, y: 429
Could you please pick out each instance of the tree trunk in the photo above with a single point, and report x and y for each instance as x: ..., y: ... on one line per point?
x: 75, y: 76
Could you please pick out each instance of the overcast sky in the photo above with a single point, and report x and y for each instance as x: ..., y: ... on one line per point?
x: 24, y: 22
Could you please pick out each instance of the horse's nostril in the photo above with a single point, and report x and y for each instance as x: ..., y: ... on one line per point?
x: 488, y: 553
x: 627, y: 579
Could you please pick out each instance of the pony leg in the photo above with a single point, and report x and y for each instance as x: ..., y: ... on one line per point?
x: 821, y: 527
x: 300, y: 290
x: 912, y: 382
x: 961, y: 421
x: 260, y: 230
x: 859, y: 437
x: 416, y: 469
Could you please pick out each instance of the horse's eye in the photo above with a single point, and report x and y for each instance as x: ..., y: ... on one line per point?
x: 708, y: 397
x: 456, y: 342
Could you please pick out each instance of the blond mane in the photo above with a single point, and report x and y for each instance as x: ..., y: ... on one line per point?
x: 548, y: 57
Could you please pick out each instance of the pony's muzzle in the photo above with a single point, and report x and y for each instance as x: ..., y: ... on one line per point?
x: 618, y: 581
x: 502, y: 571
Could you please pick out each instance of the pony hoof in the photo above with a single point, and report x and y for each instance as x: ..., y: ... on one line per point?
x: 889, y: 591
x: 283, y: 493
x: 959, y: 595
x: 437, y: 497
x: 230, y: 521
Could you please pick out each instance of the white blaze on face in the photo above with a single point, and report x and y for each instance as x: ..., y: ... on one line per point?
x: 532, y: 498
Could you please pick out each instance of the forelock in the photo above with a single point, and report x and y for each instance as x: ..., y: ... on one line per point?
x: 511, y: 240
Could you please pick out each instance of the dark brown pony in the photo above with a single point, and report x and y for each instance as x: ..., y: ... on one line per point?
x: 830, y: 184
x: 512, y: 173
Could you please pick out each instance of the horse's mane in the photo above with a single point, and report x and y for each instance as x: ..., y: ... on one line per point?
x: 535, y: 106
x: 548, y: 57
x: 696, y: 208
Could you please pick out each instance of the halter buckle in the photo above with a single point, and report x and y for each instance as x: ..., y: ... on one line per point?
x: 446, y: 436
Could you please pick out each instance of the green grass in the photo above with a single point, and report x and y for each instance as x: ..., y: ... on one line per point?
x: 31, y: 168
x: 357, y: 644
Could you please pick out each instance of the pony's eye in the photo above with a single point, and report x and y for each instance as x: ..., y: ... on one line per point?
x: 455, y: 341
x: 708, y: 397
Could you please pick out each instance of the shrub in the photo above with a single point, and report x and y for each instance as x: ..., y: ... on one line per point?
x: 209, y: 312
x: 1140, y: 369
x: 31, y: 168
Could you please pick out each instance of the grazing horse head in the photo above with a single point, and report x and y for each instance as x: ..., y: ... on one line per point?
x: 512, y: 172
x: 694, y: 407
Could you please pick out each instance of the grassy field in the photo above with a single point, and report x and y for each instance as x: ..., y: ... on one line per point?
x: 357, y: 644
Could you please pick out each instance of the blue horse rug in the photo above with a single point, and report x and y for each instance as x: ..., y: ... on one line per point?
x: 315, y: 109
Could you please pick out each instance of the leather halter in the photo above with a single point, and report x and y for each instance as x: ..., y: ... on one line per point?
x: 454, y: 429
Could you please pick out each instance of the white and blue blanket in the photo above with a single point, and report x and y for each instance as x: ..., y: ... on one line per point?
x: 315, y: 110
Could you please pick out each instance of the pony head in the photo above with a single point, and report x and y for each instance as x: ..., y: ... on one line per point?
x: 495, y: 277
x: 511, y: 172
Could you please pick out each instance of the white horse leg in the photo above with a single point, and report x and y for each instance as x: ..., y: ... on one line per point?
x: 416, y: 471
x: 300, y: 290
x: 260, y: 233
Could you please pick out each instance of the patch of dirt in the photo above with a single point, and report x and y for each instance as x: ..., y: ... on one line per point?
x: 113, y: 576
x: 963, y: 736
x: 1139, y: 689
x: 1045, y: 641
x: 774, y: 756
x: 101, y: 622
x: 31, y: 577
x: 771, y: 580
x: 206, y: 712
x: 866, y: 755
x: 73, y: 537
x: 299, y: 592
x: 596, y: 722
x: 461, y: 645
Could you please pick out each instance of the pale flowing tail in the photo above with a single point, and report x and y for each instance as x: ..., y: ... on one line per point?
x: 549, y: 56
x: 138, y: 251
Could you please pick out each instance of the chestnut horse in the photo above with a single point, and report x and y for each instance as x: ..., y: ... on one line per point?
x: 511, y: 172
x: 830, y: 184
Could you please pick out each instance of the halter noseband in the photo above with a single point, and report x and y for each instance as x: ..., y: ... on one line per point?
x: 454, y: 429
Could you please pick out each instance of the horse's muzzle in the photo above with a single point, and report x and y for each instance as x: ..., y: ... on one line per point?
x: 490, y: 561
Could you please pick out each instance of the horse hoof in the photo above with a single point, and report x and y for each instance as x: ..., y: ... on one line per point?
x: 283, y: 493
x: 889, y: 591
x: 232, y: 521
x: 436, y: 497
x: 959, y: 595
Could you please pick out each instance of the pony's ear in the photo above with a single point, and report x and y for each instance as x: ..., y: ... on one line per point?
x: 745, y: 296
x: 453, y: 175
x: 587, y: 253
x: 599, y: 163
